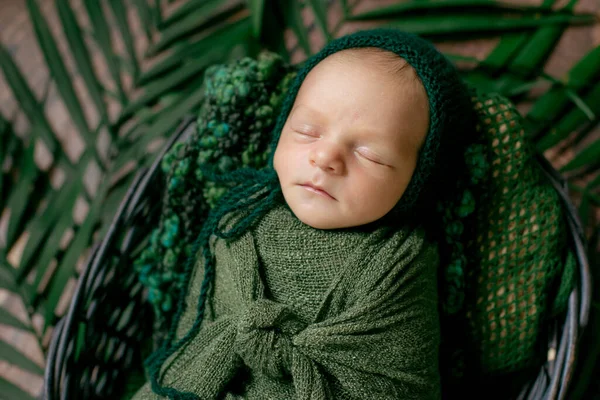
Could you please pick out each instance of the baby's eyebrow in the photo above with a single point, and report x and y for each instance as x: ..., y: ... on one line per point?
x: 307, y: 109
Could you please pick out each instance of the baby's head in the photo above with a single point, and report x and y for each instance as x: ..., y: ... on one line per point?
x: 350, y: 145
x: 372, y: 127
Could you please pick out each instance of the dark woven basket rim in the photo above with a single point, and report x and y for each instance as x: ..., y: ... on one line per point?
x: 553, y: 379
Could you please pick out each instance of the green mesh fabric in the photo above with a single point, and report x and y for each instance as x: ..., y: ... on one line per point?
x: 516, y: 249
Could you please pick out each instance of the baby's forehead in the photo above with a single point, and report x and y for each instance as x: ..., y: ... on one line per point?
x: 389, y: 97
x: 377, y: 58
x: 384, y: 66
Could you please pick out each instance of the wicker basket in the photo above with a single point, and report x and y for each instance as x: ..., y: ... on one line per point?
x: 98, y: 340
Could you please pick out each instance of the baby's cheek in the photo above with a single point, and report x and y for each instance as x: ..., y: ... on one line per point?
x: 277, y: 157
x: 361, y: 197
x: 383, y: 196
x: 282, y: 160
x: 298, y: 159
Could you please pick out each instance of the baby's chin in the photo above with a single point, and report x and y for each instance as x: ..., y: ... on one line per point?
x: 324, y: 218
x: 314, y: 215
x: 317, y: 221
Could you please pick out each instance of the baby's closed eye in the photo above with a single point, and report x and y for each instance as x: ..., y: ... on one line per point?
x: 369, y: 155
x: 307, y: 131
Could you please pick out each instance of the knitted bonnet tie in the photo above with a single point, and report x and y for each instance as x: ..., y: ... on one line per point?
x: 256, y: 192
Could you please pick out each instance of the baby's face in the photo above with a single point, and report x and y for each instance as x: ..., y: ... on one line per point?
x: 350, y: 144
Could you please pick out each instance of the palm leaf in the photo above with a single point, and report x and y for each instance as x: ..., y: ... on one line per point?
x: 46, y: 232
x: 184, y: 10
x: 346, y: 9
x: 66, y: 266
x: 292, y: 16
x: 531, y: 57
x: 553, y: 102
x: 404, y: 8
x: 8, y: 319
x: 480, y: 23
x: 257, y: 10
x: 33, y: 109
x: 499, y: 58
x: 161, y: 126
x: 534, y: 54
x: 509, y: 47
x: 210, y: 14
x: 7, y: 279
x: 114, y: 199
x: 520, y: 55
x: 593, y: 184
x: 227, y: 36
x: 320, y: 10
x: 154, y: 90
x: 156, y: 13
x: 83, y: 59
x: 17, y: 358
x: 10, y: 147
x: 585, y: 208
x: 102, y: 37
x: 145, y: 16
x: 589, y: 155
x: 12, y: 391
x: 47, y: 254
x: 119, y: 10
x: 21, y: 197
x: 59, y: 73
x: 272, y: 31
x: 570, y: 122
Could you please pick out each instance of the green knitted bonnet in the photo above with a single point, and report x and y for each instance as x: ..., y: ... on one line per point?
x: 451, y: 112
x: 255, y: 192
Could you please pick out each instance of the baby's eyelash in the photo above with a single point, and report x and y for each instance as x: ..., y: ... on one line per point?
x: 370, y: 158
x: 307, y: 133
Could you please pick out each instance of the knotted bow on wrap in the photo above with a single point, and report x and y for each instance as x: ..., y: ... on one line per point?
x: 264, y: 338
x: 361, y: 323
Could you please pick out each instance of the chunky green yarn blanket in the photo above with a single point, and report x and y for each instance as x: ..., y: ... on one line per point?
x: 355, y: 317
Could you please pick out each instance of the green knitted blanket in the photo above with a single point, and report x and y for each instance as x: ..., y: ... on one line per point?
x: 301, y: 313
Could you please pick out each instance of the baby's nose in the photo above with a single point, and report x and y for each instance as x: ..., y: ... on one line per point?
x: 328, y: 159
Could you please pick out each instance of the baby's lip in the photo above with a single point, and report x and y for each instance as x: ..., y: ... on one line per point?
x: 317, y: 189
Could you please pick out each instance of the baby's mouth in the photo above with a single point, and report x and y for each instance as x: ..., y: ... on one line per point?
x: 317, y: 189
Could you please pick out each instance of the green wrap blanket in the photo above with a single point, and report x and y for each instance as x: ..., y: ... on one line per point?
x: 301, y: 313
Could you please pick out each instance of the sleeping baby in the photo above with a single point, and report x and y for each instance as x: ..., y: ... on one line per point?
x: 317, y: 277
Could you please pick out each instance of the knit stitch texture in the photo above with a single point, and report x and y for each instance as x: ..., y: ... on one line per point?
x: 356, y: 318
